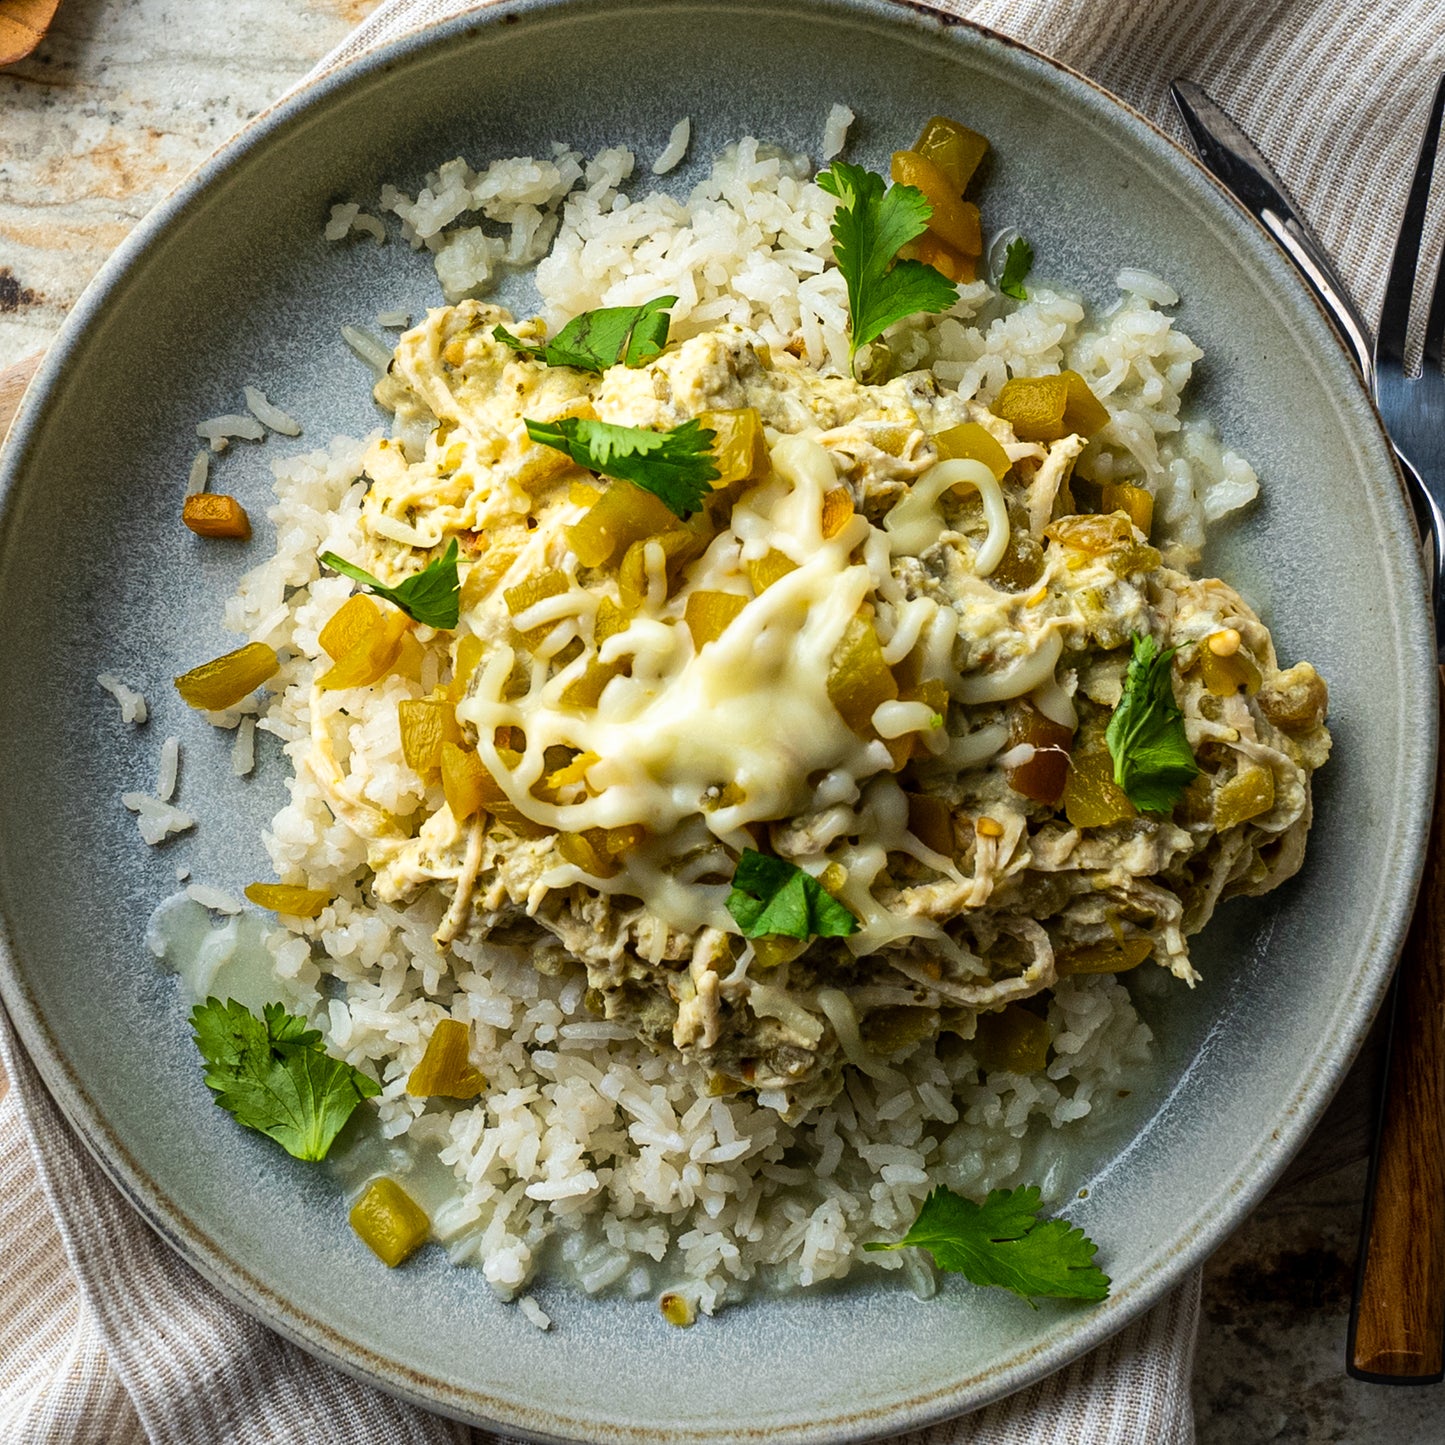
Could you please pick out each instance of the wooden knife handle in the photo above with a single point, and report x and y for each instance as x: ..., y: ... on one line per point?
x: 13, y: 381
x: 1397, y: 1325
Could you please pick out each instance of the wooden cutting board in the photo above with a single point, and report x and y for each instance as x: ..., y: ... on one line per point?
x: 23, y: 24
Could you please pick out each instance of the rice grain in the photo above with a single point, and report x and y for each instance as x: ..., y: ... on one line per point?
x: 216, y: 899
x: 157, y: 820
x: 675, y: 149
x: 243, y: 750
x: 271, y: 416
x: 835, y: 132
x: 169, y: 765
x: 132, y: 704
x: 221, y: 430
x: 200, y: 473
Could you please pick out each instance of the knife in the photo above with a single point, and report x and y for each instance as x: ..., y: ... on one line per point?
x: 1234, y: 160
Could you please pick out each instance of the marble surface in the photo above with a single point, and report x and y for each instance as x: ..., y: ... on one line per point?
x: 120, y: 101
x: 1269, y: 1367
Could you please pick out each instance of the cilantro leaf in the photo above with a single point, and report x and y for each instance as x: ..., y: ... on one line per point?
x: 1017, y: 262
x: 774, y: 898
x: 1153, y: 762
x: 870, y: 227
x: 431, y: 597
x: 273, y: 1074
x: 674, y: 465
x: 598, y: 339
x: 1003, y: 1242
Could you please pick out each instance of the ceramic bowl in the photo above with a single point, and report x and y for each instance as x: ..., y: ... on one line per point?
x: 230, y: 282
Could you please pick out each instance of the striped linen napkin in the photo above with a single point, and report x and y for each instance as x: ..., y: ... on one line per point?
x: 110, y: 1338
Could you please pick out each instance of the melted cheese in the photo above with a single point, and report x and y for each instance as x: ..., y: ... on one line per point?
x: 749, y: 710
x: 915, y: 523
x: 696, y: 744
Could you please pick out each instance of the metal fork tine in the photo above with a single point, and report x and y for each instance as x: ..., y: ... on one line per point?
x: 1395, y: 318
x: 1435, y: 323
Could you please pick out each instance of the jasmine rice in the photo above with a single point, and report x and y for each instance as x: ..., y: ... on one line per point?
x: 629, y: 1157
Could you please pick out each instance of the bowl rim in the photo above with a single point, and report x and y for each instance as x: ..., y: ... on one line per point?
x: 1254, y: 1175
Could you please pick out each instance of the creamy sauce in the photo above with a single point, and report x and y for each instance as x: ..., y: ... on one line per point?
x: 361, y: 1154
x: 213, y: 957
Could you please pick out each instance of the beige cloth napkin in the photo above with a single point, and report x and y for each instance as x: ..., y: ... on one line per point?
x: 106, y: 1336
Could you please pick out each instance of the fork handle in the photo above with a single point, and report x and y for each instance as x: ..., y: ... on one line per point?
x: 1397, y: 1324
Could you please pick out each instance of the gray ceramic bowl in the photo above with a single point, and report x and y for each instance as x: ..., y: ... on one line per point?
x: 230, y: 281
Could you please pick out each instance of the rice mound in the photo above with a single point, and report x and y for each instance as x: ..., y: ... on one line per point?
x: 748, y: 247
x: 588, y: 1152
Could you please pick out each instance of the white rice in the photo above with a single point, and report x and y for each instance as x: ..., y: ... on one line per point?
x: 348, y: 217
x: 216, y: 899
x: 520, y: 196
x: 393, y: 319
x: 371, y: 226
x: 132, y: 704
x: 231, y: 717
x: 271, y: 416
x: 220, y: 431
x: 200, y: 473
x: 342, y: 215
x: 376, y: 354
x: 1148, y: 286
x: 534, y: 1312
x: 835, y: 132
x: 587, y: 1141
x: 243, y: 750
x: 157, y: 820
x: 675, y: 149
x: 169, y: 766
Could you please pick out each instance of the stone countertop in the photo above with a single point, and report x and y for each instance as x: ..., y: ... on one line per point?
x: 120, y: 101
x: 1270, y: 1360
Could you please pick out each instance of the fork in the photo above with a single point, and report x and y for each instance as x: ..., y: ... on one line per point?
x: 1397, y: 1322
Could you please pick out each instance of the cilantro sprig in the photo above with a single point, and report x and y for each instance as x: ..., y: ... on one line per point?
x: 1018, y: 261
x: 431, y: 597
x: 774, y: 898
x: 1002, y: 1242
x: 273, y: 1074
x: 1153, y: 761
x: 871, y: 225
x: 598, y: 339
x: 675, y: 466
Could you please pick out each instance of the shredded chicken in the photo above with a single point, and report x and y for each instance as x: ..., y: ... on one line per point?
x: 992, y: 913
